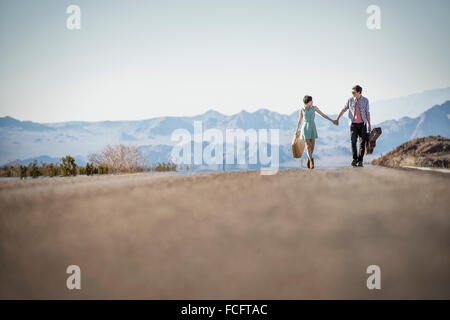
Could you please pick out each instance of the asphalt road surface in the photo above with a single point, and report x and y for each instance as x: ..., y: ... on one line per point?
x: 236, y: 235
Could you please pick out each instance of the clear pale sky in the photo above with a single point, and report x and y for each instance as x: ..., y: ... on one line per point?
x: 140, y: 59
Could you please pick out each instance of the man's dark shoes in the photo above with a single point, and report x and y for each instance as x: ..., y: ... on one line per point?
x: 354, y: 163
x: 360, y: 164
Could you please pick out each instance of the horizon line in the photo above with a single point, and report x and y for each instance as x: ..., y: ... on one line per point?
x: 211, y: 110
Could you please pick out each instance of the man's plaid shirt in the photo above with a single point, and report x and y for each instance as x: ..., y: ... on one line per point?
x: 363, y: 107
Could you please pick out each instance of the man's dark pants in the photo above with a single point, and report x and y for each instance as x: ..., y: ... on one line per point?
x: 358, y: 130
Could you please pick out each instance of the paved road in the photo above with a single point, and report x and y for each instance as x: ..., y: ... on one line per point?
x: 294, y: 235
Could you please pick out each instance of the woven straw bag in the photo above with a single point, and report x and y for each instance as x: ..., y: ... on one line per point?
x: 298, y: 145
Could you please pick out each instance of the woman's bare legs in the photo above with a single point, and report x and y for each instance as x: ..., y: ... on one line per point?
x: 310, y: 143
x: 309, y: 148
x: 313, y: 143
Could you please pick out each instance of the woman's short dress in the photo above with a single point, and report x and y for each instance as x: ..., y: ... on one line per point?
x: 309, y: 126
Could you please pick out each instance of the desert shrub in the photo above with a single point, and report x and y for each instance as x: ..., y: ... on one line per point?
x: 102, y: 169
x: 53, y: 170
x: 118, y: 158
x: 23, y: 172
x: 163, y: 166
x: 34, y: 170
x: 68, y: 166
x: 89, y: 169
x: 49, y: 170
x: 81, y: 170
x: 10, y: 171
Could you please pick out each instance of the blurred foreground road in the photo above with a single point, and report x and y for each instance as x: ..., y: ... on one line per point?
x: 233, y: 235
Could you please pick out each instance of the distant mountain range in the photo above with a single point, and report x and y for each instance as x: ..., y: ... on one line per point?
x: 434, y: 121
x: 48, y: 142
x: 412, y: 105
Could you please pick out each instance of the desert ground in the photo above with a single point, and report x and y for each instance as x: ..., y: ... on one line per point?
x: 298, y: 234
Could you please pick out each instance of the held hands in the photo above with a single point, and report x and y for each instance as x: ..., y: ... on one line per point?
x: 335, y: 122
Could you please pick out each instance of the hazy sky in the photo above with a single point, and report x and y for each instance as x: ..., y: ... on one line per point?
x: 140, y: 59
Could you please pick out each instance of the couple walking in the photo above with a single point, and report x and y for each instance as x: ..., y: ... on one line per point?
x: 359, y: 115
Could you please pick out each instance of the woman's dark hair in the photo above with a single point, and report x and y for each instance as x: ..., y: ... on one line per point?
x: 357, y: 88
x: 307, y: 99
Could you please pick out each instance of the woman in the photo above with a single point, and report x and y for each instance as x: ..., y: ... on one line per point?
x: 309, y: 132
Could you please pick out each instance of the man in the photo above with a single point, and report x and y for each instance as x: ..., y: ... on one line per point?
x: 359, y: 115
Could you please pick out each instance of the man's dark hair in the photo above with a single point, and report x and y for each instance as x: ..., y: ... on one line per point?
x: 357, y: 88
x: 307, y: 99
